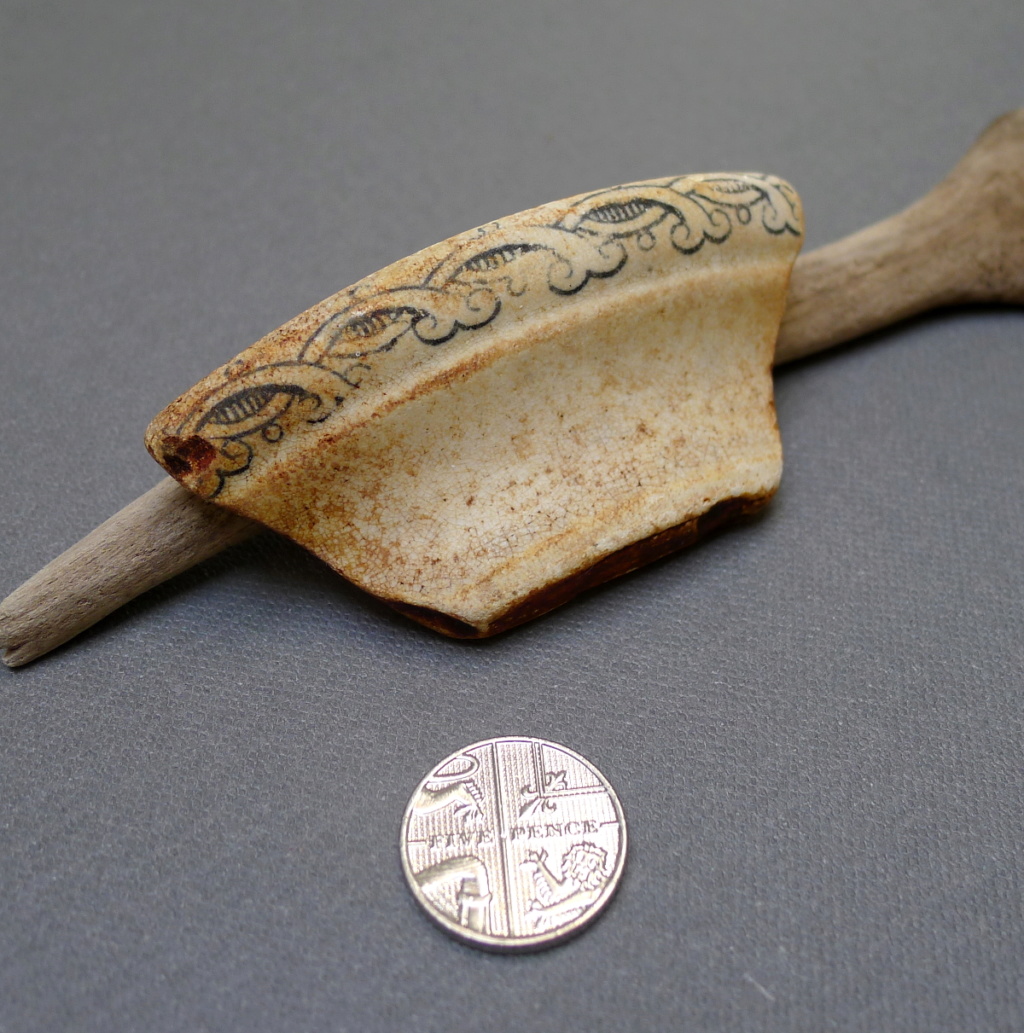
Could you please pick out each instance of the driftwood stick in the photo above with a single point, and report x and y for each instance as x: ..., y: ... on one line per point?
x: 963, y: 242
x: 160, y: 534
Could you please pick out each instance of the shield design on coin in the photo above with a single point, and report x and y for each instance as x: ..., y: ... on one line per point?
x: 514, y: 843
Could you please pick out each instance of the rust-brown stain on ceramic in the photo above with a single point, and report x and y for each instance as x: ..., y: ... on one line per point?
x: 481, y: 431
x: 618, y: 564
x: 186, y: 457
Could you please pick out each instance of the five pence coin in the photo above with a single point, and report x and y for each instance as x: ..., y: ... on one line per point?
x: 514, y: 843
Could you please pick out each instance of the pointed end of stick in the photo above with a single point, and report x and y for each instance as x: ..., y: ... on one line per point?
x: 12, y: 652
x: 160, y: 534
x: 15, y: 649
x: 16, y: 656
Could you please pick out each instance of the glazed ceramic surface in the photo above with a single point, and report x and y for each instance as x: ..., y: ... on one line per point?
x: 481, y: 430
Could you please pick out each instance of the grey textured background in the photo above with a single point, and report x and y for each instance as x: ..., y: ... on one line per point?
x: 815, y: 723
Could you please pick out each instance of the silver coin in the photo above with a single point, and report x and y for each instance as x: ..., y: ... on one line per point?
x: 514, y: 843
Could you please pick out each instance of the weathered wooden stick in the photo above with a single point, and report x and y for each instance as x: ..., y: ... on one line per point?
x: 160, y: 534
x: 961, y: 243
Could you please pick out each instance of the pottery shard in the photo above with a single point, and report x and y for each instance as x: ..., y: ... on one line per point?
x: 483, y: 429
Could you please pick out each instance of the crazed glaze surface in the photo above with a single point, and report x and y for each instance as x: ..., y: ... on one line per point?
x: 486, y: 427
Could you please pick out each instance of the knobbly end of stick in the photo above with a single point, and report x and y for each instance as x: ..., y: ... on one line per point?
x: 962, y: 243
x: 160, y: 534
x: 984, y: 200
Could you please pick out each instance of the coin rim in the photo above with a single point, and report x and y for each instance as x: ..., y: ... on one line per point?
x: 487, y: 941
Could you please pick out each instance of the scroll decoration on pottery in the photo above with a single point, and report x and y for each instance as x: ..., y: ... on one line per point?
x: 487, y: 427
x: 294, y: 380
